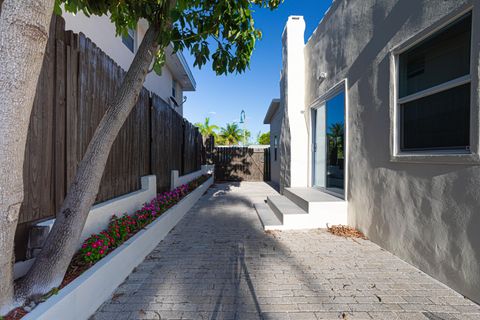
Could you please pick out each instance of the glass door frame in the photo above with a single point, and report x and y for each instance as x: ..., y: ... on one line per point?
x: 317, y: 147
x: 317, y: 104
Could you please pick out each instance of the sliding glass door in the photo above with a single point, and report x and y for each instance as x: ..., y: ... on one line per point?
x: 320, y: 148
x: 329, y: 145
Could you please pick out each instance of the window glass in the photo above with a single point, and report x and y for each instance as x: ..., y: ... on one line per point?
x: 335, y: 157
x: 439, y: 121
x: 275, y: 147
x: 129, y: 40
x: 443, y: 57
x: 174, y: 88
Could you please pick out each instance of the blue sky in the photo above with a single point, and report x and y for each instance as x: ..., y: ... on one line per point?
x: 223, y: 98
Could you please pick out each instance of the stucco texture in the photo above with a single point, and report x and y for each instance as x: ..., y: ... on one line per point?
x: 426, y: 213
x: 275, y: 131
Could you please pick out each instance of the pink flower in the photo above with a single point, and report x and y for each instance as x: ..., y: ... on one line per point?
x: 101, y: 251
x: 89, y: 254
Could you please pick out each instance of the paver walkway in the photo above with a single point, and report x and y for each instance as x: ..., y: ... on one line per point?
x: 219, y: 264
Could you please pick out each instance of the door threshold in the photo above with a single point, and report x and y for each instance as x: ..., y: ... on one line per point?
x: 332, y: 193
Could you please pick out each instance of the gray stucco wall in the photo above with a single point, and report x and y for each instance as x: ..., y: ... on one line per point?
x: 285, y: 138
x: 275, y: 130
x: 427, y: 213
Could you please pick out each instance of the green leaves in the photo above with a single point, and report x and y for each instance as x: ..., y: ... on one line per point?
x: 207, y: 129
x: 231, y: 134
x: 159, y: 62
x: 57, y: 9
x: 263, y: 138
x: 222, y: 31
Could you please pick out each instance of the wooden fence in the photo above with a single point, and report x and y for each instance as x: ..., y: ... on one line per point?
x: 76, y: 81
x: 240, y: 163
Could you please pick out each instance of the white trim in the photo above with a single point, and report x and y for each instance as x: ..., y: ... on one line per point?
x: 430, y: 156
x: 187, y: 69
x: 347, y: 144
x: 341, y: 86
x: 329, y: 94
x: 436, y: 89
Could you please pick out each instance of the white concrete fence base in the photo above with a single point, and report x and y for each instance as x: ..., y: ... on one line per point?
x: 100, y: 215
x: 81, y: 298
x: 177, y: 181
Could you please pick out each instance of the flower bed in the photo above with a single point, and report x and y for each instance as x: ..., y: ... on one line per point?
x: 118, y: 232
x: 122, y: 228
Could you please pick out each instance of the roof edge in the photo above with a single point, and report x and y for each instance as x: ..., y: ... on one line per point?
x: 180, y: 69
x: 272, y: 109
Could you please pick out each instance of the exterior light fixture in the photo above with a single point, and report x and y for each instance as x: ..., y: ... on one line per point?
x: 322, y: 76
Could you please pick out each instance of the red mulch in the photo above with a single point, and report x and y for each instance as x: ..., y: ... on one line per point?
x: 76, y: 268
x: 346, y: 231
x: 15, y: 314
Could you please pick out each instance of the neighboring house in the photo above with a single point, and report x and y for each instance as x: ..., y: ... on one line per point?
x: 176, y: 77
x: 274, y: 118
x: 380, y: 129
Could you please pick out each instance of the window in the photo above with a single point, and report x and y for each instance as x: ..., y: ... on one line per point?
x: 129, y: 40
x: 434, y: 90
x: 275, y: 147
x: 174, y: 88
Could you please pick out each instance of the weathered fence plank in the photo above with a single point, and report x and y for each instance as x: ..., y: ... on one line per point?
x: 172, y: 147
x: 240, y: 164
x: 39, y: 153
x: 76, y: 82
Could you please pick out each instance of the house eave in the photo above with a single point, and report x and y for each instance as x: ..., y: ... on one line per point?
x: 272, y: 109
x: 180, y: 70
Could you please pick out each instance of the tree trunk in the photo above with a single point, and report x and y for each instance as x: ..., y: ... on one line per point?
x: 24, y: 29
x: 51, y: 264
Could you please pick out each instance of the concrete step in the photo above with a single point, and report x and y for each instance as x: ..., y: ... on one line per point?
x: 301, y: 208
x: 268, y: 219
x: 312, y: 200
x: 291, y: 215
x: 324, y: 208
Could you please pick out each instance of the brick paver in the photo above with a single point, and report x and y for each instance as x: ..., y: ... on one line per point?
x: 218, y: 263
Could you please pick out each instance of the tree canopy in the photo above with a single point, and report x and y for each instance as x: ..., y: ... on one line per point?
x: 222, y: 31
x: 231, y: 134
x: 207, y: 129
x: 264, y: 138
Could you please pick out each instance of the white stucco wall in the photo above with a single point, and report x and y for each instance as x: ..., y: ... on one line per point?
x: 102, y: 32
x: 294, y: 136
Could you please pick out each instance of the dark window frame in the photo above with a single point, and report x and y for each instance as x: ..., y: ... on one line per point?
x: 433, y: 90
x: 275, y: 147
